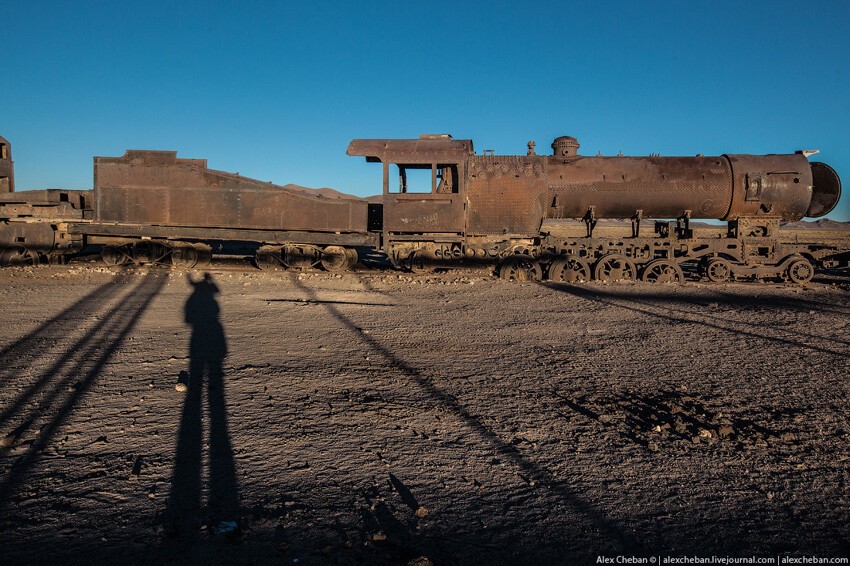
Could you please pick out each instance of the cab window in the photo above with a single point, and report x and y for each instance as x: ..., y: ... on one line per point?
x: 414, y: 179
x: 426, y: 178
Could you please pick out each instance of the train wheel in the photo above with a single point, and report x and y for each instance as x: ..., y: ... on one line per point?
x: 114, y: 256
x: 520, y: 268
x: 663, y: 271
x: 614, y: 267
x: 417, y: 262
x: 335, y: 258
x: 266, y: 260
x: 302, y: 256
x: 353, y: 258
x: 17, y: 256
x: 184, y: 257
x: 718, y: 270
x: 801, y: 271
x: 569, y: 269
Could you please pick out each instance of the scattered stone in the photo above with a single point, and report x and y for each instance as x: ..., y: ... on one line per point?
x: 725, y: 431
x: 421, y: 512
x: 378, y: 537
x: 182, y: 382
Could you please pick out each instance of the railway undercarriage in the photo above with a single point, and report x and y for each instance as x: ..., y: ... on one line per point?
x: 750, y: 249
x: 747, y: 251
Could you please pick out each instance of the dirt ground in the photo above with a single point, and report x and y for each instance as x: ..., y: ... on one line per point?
x: 376, y: 417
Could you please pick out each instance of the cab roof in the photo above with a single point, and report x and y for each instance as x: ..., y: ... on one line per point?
x: 426, y: 149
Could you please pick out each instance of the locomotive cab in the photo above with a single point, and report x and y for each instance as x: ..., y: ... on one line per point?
x: 423, y: 183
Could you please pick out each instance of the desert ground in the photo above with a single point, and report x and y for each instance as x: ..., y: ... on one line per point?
x: 385, y: 418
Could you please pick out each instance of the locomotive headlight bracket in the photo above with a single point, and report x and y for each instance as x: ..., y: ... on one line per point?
x: 755, y: 184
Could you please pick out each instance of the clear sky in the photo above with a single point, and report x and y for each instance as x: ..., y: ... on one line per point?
x: 275, y: 90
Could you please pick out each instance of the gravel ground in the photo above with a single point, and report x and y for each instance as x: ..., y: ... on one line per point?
x: 373, y: 417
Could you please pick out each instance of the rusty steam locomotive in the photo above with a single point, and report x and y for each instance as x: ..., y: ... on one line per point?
x: 442, y: 204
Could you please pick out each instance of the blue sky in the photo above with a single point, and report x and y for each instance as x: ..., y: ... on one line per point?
x: 275, y: 90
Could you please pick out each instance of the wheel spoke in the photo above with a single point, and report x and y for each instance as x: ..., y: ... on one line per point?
x: 614, y: 267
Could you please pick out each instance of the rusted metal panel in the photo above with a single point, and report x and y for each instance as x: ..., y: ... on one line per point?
x: 439, y: 148
x: 155, y: 187
x: 424, y: 213
x: 222, y: 234
x: 507, y: 194
x: 57, y: 203
x: 774, y: 185
x: 7, y: 167
x: 660, y: 187
x: 38, y: 236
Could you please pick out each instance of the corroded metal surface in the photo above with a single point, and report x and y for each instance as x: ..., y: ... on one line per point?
x: 826, y: 192
x: 496, y: 205
x: 155, y: 187
x: 660, y: 187
x: 441, y: 205
x: 7, y: 167
x: 514, y: 194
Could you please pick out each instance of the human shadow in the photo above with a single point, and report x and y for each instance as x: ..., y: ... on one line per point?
x: 207, y: 350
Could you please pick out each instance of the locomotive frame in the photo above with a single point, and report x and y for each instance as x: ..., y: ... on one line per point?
x: 441, y: 205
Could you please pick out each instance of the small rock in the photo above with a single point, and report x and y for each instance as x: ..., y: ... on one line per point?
x: 379, y: 536
x: 705, y: 433
x: 421, y: 512
x: 181, y: 387
x: 725, y: 431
